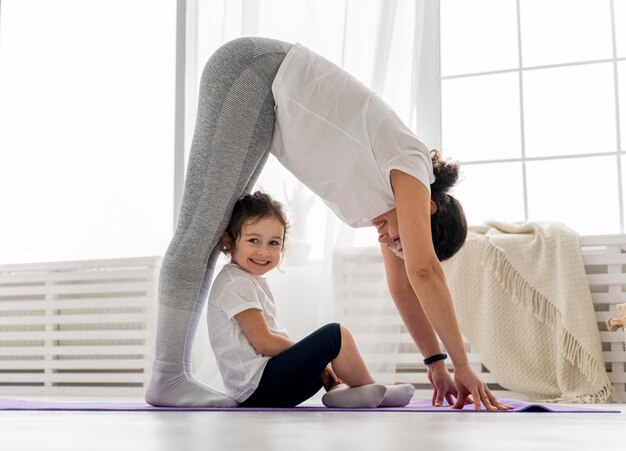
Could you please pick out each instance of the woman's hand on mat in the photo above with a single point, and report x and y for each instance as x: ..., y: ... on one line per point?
x: 443, y: 385
x: 467, y: 383
x: 329, y: 378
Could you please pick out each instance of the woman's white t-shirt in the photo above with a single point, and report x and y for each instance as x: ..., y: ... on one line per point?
x: 235, y: 290
x: 341, y: 139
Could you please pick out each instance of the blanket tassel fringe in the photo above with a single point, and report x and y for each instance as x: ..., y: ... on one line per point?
x: 543, y: 310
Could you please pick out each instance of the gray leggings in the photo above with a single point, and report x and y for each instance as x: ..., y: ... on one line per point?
x: 230, y: 145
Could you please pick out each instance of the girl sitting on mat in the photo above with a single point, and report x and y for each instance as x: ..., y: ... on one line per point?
x: 260, y: 365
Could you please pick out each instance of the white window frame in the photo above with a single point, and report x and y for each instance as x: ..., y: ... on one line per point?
x: 520, y: 70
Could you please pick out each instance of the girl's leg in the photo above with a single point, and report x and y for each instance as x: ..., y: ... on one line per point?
x: 295, y: 375
x: 351, y: 369
x: 349, y: 365
x: 231, y: 142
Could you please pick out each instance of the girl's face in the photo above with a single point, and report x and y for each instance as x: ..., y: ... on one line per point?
x: 387, y: 227
x: 258, y: 249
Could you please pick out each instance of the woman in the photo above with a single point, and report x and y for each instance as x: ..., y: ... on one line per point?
x: 259, y: 96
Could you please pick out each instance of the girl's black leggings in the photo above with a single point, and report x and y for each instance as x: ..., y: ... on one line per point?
x: 294, y: 375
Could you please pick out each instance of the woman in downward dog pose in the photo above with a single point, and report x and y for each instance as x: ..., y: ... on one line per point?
x: 260, y: 365
x: 260, y: 96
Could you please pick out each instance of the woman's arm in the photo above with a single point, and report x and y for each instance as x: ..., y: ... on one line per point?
x: 264, y: 341
x: 418, y: 325
x: 421, y: 264
x: 408, y: 305
x: 427, y: 279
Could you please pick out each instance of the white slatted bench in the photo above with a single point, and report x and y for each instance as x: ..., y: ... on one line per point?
x: 77, y: 328
x: 363, y: 304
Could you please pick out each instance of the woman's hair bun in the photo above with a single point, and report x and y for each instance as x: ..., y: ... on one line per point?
x: 446, y: 173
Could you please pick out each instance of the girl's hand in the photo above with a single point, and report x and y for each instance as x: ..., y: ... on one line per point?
x: 329, y: 378
x: 467, y: 383
x: 443, y: 385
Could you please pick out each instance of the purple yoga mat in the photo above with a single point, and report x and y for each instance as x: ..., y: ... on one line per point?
x: 414, y: 406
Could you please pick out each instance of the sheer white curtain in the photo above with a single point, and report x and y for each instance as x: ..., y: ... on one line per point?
x: 380, y: 42
x: 86, y: 126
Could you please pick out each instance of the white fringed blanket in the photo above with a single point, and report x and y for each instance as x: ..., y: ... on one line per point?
x: 523, y: 300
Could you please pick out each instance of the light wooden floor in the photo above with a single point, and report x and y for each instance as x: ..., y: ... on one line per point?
x: 233, y: 431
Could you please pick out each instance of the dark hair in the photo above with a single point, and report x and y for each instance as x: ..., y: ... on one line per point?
x: 251, y: 207
x: 448, y: 223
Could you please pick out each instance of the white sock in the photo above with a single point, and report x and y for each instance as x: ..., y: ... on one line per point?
x: 365, y: 396
x: 398, y: 395
x: 180, y: 390
x: 172, y: 382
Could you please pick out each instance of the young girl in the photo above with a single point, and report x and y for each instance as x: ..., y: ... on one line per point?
x: 259, y: 363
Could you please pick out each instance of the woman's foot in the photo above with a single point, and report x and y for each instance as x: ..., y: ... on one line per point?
x: 178, y: 390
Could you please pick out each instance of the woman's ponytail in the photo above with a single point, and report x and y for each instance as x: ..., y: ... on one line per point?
x: 446, y: 173
x: 448, y: 223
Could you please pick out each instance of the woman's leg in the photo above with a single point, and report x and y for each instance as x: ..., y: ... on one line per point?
x: 231, y: 142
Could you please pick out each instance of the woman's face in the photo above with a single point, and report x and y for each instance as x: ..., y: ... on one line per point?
x: 387, y: 227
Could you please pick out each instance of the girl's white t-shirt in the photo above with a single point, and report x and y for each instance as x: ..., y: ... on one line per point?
x: 341, y: 139
x: 235, y: 290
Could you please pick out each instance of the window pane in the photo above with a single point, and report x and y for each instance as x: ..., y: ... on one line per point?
x: 621, y: 69
x: 561, y: 31
x: 305, y: 20
x: 623, y: 167
x: 86, y: 128
x: 491, y: 191
x: 569, y: 110
x: 619, y: 9
x: 478, y: 36
x: 481, y: 117
x: 580, y: 192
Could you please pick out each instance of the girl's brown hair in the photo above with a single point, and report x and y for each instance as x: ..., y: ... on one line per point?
x: 251, y: 207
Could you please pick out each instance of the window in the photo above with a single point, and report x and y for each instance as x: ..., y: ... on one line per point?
x: 86, y: 128
x: 533, y: 104
x: 371, y: 39
x: 531, y: 95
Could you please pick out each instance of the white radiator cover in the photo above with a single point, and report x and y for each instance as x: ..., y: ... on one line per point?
x: 362, y: 300
x: 87, y: 327
x: 78, y: 328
